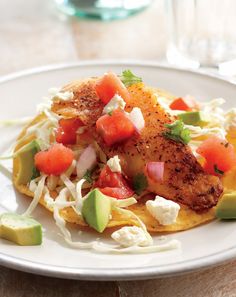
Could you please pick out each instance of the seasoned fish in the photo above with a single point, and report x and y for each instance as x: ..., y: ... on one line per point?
x: 184, y: 179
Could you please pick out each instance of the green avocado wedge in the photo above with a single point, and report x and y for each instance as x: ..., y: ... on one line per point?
x: 226, y: 207
x: 27, y: 169
x: 96, y: 210
x: 191, y: 118
x: 19, y: 229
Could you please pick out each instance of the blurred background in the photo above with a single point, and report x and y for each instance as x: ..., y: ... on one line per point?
x: 34, y: 33
x: 187, y: 33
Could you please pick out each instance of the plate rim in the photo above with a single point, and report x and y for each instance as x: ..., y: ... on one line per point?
x: 109, y: 274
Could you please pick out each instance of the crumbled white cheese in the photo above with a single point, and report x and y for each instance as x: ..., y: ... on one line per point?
x: 163, y: 210
x: 130, y: 236
x: 53, y: 93
x: 136, y: 117
x: 115, y: 103
x: 114, y: 164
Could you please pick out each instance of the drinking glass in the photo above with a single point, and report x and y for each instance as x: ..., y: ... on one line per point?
x: 102, y: 9
x: 201, y: 32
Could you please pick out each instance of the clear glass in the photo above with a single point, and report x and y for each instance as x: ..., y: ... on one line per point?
x: 102, y: 9
x: 202, y: 32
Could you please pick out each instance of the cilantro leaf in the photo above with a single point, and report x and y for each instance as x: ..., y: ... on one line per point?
x: 217, y: 170
x: 35, y: 173
x: 140, y: 183
x: 88, y: 176
x: 177, y: 132
x: 128, y: 78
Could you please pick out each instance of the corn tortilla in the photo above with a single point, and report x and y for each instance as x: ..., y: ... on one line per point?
x: 187, y: 218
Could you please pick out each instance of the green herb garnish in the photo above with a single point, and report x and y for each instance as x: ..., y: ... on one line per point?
x: 128, y: 78
x: 177, y: 132
x: 140, y: 183
x: 35, y: 173
x: 217, y: 170
x: 88, y: 176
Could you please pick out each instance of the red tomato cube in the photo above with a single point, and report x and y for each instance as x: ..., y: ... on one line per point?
x: 66, y: 132
x: 219, y: 155
x: 186, y: 104
x: 115, y: 128
x: 109, y: 85
x: 54, y: 161
x: 113, y: 184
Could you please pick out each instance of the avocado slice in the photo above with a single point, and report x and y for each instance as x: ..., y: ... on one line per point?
x: 27, y: 169
x: 226, y: 207
x: 191, y: 118
x: 19, y: 229
x: 96, y: 210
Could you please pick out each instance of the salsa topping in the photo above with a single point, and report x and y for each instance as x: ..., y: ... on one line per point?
x: 113, y: 184
x: 219, y: 155
x: 115, y: 103
x: 109, y: 85
x: 66, y: 132
x: 56, y: 160
x: 115, y: 128
x: 136, y: 117
x: 187, y: 104
x: 87, y: 160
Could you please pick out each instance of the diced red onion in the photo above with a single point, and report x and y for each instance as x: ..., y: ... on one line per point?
x: 155, y: 170
x: 87, y: 161
x: 136, y: 117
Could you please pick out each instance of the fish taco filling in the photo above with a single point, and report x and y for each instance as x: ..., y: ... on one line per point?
x: 112, y: 152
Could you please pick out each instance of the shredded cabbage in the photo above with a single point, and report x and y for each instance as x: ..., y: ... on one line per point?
x: 37, y: 195
x: 59, y: 203
x: 101, y: 247
x: 52, y: 182
x: 196, y: 131
x: 38, y: 187
x: 12, y: 122
x: 123, y: 202
x: 79, y: 199
x: 70, y: 186
x: 216, y: 120
x: 71, y: 169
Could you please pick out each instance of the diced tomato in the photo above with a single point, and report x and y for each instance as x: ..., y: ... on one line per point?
x: 109, y: 85
x: 115, y: 128
x: 113, y: 184
x: 54, y: 161
x: 66, y: 132
x: 118, y: 193
x: 219, y: 155
x: 186, y: 104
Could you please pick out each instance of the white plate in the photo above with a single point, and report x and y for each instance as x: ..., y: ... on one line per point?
x: 201, y: 247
